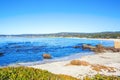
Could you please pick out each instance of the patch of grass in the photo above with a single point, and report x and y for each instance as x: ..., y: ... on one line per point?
x: 101, y: 77
x: 26, y: 73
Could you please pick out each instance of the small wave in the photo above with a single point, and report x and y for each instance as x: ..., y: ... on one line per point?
x: 71, y: 57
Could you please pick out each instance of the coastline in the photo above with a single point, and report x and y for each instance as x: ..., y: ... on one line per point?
x: 62, y: 67
x: 45, y: 61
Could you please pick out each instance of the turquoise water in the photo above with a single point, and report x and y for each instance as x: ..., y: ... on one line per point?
x: 22, y: 50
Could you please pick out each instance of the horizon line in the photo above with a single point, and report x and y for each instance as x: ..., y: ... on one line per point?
x: 56, y: 33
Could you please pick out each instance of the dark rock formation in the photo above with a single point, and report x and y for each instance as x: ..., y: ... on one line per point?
x: 76, y: 46
x: 86, y: 46
x: 1, y: 54
x: 46, y: 56
x: 112, y: 49
x: 100, y: 48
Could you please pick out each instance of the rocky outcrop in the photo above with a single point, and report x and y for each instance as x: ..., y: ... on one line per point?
x: 76, y: 46
x: 46, y: 56
x: 112, y: 49
x: 100, y: 48
x: 87, y: 46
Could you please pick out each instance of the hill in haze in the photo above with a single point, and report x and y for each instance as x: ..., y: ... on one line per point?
x: 71, y: 34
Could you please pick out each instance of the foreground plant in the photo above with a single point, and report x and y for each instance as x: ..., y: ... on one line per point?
x: 101, y: 77
x: 26, y: 73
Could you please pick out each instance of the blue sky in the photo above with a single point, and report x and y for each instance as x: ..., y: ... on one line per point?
x: 52, y: 16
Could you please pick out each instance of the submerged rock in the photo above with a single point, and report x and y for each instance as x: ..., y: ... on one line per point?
x: 76, y: 46
x: 46, y: 56
x: 1, y: 54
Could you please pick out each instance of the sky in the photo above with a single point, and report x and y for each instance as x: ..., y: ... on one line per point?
x: 53, y: 16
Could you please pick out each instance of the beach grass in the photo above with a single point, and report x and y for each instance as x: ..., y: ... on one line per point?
x: 27, y: 73
x: 101, y: 77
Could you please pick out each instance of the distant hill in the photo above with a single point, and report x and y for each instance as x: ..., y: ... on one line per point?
x: 71, y: 34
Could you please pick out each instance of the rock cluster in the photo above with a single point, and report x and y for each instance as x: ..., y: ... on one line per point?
x: 100, y: 48
x: 96, y: 67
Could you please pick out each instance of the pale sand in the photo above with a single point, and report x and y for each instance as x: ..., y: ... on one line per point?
x: 107, y: 59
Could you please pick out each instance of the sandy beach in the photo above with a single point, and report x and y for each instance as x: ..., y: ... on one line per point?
x: 109, y: 60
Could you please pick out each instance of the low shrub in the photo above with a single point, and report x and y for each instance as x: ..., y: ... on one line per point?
x: 101, y: 77
x: 26, y: 73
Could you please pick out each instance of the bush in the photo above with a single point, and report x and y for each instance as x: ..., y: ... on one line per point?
x: 26, y: 73
x: 102, y: 77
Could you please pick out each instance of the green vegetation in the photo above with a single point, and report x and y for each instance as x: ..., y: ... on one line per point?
x: 70, y: 34
x: 26, y: 73
x: 102, y: 77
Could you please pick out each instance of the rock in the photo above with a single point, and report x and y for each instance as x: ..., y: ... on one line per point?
x: 99, y: 49
x: 116, y: 50
x: 100, y: 46
x: 1, y: 54
x: 85, y: 46
x: 76, y: 46
x: 98, y: 67
x: 46, y: 56
x: 79, y: 62
x: 113, y: 49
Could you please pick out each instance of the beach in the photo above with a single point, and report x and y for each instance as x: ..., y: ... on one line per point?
x: 109, y: 59
x: 68, y: 50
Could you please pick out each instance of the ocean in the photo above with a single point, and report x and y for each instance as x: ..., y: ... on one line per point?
x: 29, y: 51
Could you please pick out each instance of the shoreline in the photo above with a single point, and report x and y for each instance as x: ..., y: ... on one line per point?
x: 107, y: 59
x: 45, y: 61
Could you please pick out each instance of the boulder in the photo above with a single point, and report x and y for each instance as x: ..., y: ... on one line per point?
x: 113, y: 49
x: 86, y: 46
x: 46, y: 56
x: 79, y: 63
x: 100, y: 46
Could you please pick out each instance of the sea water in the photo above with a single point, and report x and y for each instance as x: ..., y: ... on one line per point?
x: 30, y: 50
